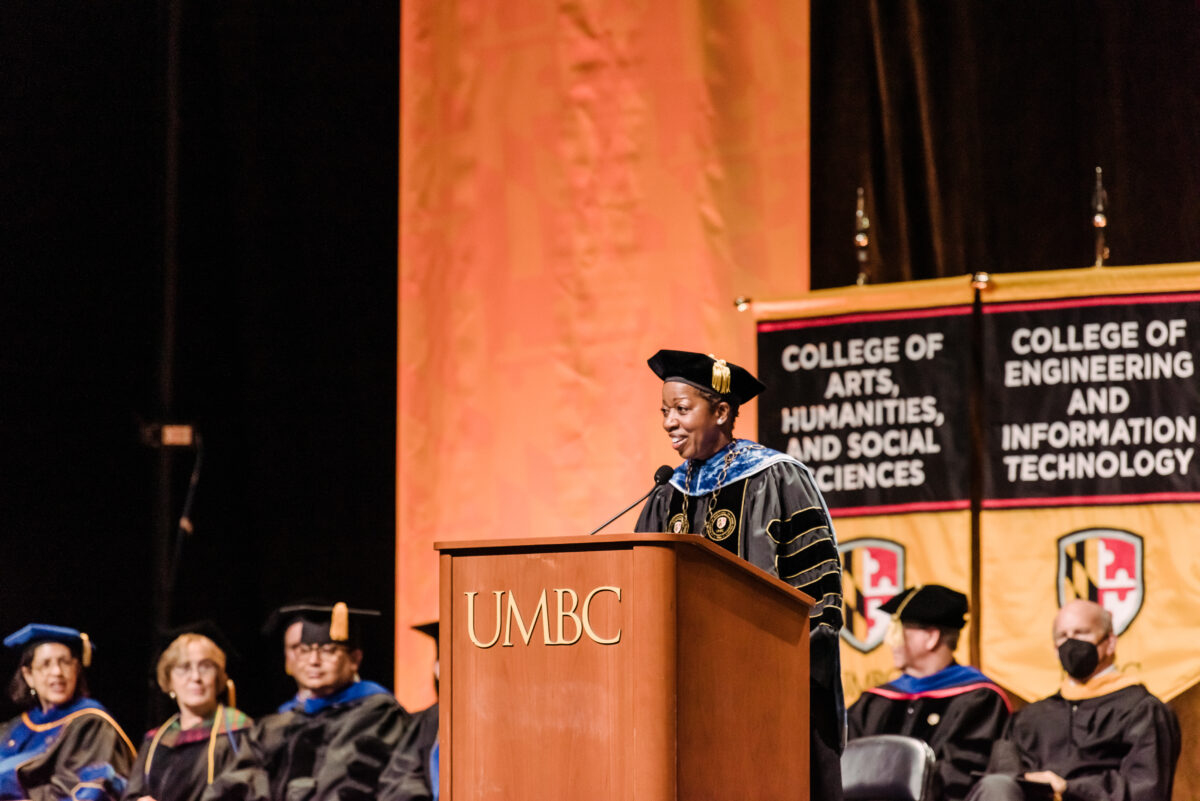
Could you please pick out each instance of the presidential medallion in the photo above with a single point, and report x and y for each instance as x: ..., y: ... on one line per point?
x: 720, y: 525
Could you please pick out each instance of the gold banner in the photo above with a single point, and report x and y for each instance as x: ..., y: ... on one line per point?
x: 901, y: 540
x: 1086, y: 515
x: 869, y: 298
x: 880, y: 556
x: 1141, y: 562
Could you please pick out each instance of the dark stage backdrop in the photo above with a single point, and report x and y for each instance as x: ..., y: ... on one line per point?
x: 976, y: 128
x: 285, y: 318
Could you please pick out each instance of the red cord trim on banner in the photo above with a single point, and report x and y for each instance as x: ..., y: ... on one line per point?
x: 946, y: 693
x: 767, y: 326
x: 1106, y: 300
x: 1094, y: 500
x: 899, y: 508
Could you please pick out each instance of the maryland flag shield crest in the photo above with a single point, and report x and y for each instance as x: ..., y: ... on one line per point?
x: 1103, y: 565
x: 872, y: 572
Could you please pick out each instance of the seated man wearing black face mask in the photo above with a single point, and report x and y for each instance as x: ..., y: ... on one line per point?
x: 1101, y: 737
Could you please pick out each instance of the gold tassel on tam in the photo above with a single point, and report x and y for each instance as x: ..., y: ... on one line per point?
x: 721, y: 377
x: 86, y: 650
x: 894, y: 637
x: 230, y: 692
x: 339, y: 623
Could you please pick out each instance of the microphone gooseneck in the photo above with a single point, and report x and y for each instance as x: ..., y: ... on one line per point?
x: 661, y: 476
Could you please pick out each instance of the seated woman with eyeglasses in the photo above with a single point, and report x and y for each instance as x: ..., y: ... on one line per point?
x: 64, y: 744
x: 182, y: 757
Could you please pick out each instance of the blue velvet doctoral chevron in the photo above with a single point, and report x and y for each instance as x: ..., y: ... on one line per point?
x: 35, y: 733
x: 748, y: 458
x: 355, y: 692
x: 950, y: 676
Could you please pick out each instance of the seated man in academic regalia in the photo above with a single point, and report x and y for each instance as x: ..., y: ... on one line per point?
x: 330, y: 741
x: 412, y: 773
x: 953, y: 707
x: 1101, y: 737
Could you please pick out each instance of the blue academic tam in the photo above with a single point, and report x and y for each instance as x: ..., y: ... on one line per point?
x: 42, y: 632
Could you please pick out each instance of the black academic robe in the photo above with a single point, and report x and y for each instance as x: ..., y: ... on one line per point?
x: 1116, y: 747
x: 782, y: 527
x: 406, y: 777
x: 174, y: 765
x: 329, y: 749
x: 959, y: 723
x: 74, y: 751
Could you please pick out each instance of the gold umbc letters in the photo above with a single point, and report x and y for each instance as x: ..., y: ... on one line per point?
x: 570, y: 617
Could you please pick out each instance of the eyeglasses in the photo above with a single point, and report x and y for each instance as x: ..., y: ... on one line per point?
x: 64, y: 663
x: 327, y: 650
x: 205, y: 669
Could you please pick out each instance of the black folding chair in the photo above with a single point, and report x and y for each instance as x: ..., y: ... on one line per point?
x: 887, y: 767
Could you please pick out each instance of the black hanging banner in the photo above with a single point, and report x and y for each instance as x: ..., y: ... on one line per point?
x: 875, y: 403
x: 1092, y: 400
x: 868, y: 385
x: 1090, y: 468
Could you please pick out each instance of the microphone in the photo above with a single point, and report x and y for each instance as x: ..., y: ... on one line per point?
x: 661, y: 476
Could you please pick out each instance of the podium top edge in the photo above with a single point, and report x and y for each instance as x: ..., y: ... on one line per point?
x: 601, y: 541
x: 580, y: 539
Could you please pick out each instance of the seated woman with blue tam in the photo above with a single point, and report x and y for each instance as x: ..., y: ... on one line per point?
x: 64, y: 745
x: 762, y: 505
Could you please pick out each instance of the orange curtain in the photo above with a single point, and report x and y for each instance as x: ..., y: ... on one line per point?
x: 581, y: 184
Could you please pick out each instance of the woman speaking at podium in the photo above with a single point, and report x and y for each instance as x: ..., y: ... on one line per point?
x: 761, y: 505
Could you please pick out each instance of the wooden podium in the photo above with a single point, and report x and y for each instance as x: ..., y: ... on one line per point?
x: 640, y: 667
